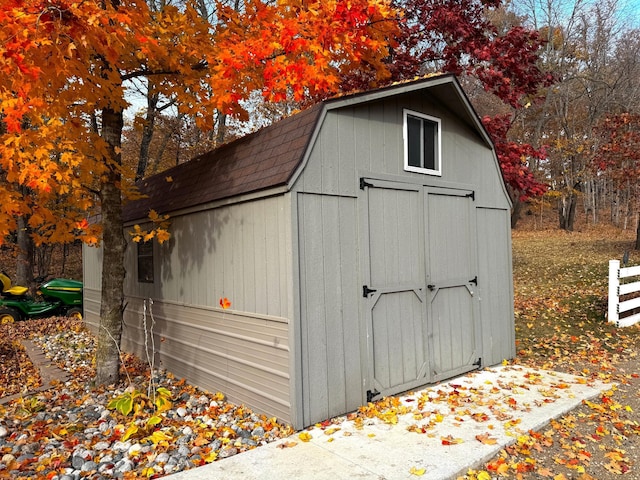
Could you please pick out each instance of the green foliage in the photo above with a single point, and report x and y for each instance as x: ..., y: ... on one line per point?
x: 135, y: 401
x: 31, y: 405
x: 128, y: 402
x: 162, y: 399
x: 146, y: 431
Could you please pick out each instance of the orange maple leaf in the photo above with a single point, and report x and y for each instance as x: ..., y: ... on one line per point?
x: 449, y: 440
x: 486, y: 439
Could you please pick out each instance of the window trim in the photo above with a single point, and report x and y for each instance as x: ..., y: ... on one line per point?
x: 438, y: 144
x: 145, y: 257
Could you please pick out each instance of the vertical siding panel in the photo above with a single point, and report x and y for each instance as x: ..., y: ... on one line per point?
x: 361, y: 139
x: 377, y: 137
x: 314, y: 312
x: 174, y: 277
x: 346, y: 160
x: 227, y: 242
x: 284, y: 254
x: 333, y: 294
x: 392, y: 125
x: 236, y: 251
x: 92, y: 280
x: 330, y: 326
x: 274, y: 228
x: 303, y: 286
x: 349, y: 276
x: 217, y: 255
x: 312, y: 178
x: 260, y: 252
x: 92, y: 266
x: 495, y: 285
x: 249, y: 256
x: 210, y: 231
x: 330, y: 156
x: 192, y: 270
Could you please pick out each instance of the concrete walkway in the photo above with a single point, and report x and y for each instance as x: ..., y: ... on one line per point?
x: 49, y: 372
x: 450, y: 428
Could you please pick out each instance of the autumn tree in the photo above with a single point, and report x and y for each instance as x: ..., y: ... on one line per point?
x: 514, y: 158
x: 618, y: 157
x: 66, y: 71
x: 594, y: 57
x: 489, y: 48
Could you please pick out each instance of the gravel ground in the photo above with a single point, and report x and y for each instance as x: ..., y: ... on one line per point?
x: 69, y: 432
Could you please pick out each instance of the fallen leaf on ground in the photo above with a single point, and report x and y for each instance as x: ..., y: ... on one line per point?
x: 486, y: 439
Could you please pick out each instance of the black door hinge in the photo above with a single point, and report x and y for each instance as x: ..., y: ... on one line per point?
x: 371, y: 394
x: 474, y: 280
x: 366, y: 291
x: 478, y: 363
x: 471, y: 195
x: 364, y: 183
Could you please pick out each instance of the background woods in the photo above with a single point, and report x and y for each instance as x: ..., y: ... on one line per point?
x: 592, y: 50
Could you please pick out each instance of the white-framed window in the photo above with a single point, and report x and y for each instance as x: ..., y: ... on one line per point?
x: 421, y: 143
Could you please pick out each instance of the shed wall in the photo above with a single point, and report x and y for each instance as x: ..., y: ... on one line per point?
x: 92, y: 284
x: 496, y: 284
x: 241, y: 355
x: 331, y: 353
x: 372, y: 135
x: 236, y: 251
x: 239, y: 251
x: 366, y: 141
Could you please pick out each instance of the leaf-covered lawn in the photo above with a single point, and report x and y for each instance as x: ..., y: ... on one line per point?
x: 18, y: 374
x: 560, y: 282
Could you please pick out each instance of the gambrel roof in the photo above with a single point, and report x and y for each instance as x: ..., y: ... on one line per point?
x: 271, y: 156
x: 264, y: 159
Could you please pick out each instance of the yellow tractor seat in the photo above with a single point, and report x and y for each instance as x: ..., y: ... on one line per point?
x: 8, y: 289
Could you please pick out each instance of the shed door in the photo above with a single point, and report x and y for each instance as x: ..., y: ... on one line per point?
x: 395, y: 305
x: 454, y: 321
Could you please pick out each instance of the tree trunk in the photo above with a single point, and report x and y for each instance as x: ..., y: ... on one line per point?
x: 113, y: 244
x: 516, y: 211
x: 147, y: 132
x: 567, y: 211
x: 222, y: 129
x: 567, y: 207
x: 24, y: 260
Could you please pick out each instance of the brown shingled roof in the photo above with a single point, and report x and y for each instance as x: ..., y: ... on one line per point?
x: 264, y: 159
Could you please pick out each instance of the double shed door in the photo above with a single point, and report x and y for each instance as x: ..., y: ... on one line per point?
x: 419, y: 260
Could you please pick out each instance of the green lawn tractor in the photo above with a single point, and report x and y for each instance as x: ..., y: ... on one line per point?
x: 56, y: 297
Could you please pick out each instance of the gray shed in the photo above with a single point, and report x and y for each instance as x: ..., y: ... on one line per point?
x: 364, y: 245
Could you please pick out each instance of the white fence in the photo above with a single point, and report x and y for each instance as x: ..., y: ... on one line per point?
x: 618, y: 288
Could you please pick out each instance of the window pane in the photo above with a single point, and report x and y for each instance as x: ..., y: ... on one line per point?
x: 145, y: 262
x: 430, y: 136
x: 414, y: 141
